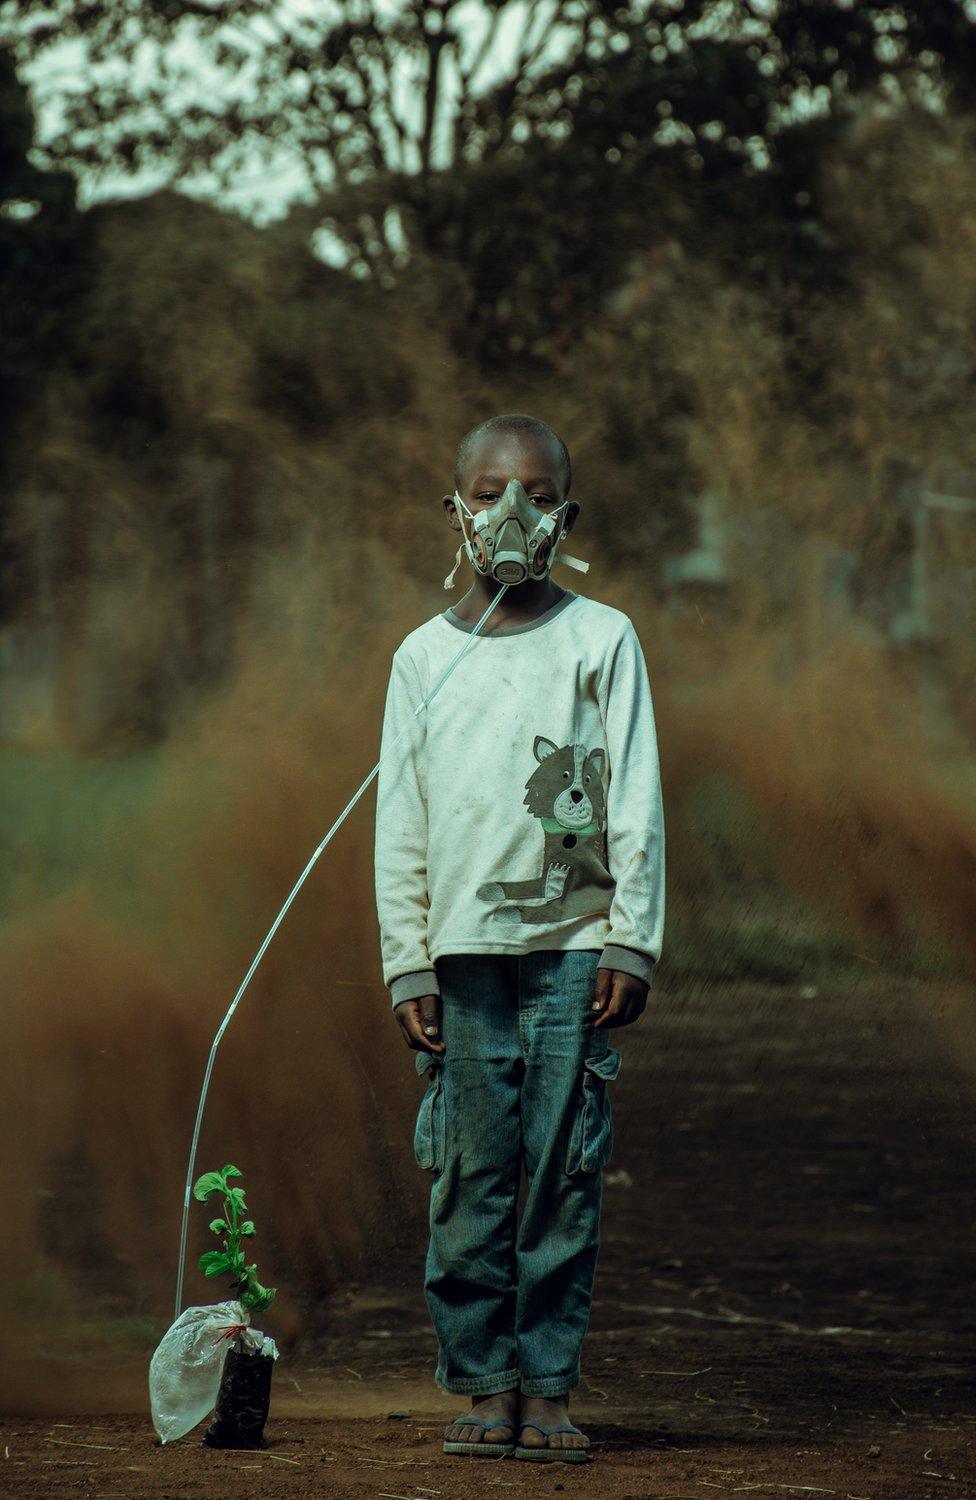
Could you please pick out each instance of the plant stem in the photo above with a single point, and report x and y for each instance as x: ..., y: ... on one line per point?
x: 233, y: 1243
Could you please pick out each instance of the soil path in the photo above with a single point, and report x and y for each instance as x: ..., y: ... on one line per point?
x: 784, y: 1301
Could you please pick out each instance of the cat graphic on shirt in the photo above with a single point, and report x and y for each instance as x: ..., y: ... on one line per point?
x: 566, y: 793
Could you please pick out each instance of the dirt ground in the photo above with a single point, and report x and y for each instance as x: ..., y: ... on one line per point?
x: 784, y: 1301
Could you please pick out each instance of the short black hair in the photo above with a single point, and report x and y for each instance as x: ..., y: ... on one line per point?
x: 512, y: 422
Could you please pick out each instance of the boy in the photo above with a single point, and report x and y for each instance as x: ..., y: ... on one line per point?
x: 520, y: 892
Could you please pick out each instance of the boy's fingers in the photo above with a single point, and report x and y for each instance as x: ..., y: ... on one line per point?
x: 612, y: 1015
x: 623, y: 1010
x: 430, y: 1015
x: 628, y: 999
x: 408, y: 1015
x: 601, y: 997
x: 405, y: 1013
x: 612, y: 1002
x: 414, y: 1022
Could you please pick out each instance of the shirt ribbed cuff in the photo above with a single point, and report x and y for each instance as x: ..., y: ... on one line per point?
x: 412, y: 986
x: 628, y: 961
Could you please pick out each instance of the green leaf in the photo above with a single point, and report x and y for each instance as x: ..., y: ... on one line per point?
x: 219, y: 1226
x: 231, y: 1171
x: 214, y: 1263
x: 236, y: 1197
x: 257, y: 1296
x: 210, y: 1182
x: 247, y: 1227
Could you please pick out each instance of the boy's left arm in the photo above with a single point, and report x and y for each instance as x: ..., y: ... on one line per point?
x: 635, y: 838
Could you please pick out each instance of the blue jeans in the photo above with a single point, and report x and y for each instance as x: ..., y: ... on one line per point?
x: 523, y: 1078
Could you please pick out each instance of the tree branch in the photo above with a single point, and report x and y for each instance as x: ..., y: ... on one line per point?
x: 435, y: 47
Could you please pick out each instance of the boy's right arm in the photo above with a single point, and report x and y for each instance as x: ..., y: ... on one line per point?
x: 402, y: 901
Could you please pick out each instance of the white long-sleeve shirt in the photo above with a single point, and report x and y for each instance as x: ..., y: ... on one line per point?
x: 522, y: 809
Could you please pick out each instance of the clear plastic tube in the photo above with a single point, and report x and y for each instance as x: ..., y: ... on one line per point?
x: 208, y: 1072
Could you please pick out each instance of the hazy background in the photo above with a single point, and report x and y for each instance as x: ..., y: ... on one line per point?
x: 729, y: 252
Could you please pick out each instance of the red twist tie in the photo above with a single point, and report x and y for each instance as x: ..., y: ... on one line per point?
x: 231, y: 1332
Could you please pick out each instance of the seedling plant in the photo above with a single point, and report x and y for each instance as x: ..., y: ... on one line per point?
x: 233, y: 1228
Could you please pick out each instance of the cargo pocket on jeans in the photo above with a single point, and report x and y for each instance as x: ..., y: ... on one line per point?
x: 428, y: 1135
x: 591, y: 1136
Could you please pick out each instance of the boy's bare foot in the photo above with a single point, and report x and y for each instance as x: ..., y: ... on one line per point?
x: 504, y: 1404
x: 549, y: 1412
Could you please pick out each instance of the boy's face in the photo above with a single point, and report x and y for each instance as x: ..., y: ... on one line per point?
x: 500, y: 457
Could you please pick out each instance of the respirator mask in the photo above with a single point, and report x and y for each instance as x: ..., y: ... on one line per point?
x: 512, y: 540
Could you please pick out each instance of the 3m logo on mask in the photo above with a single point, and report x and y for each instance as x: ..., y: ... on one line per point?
x: 512, y: 540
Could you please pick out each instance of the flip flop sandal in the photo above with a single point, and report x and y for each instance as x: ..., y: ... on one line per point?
x: 546, y: 1455
x: 484, y: 1449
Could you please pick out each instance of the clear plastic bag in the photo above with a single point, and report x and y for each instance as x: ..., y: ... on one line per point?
x: 185, y: 1371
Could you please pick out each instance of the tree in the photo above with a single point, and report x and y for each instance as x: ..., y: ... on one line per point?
x: 42, y: 248
x: 38, y: 226
x: 386, y: 97
x: 377, y: 96
x: 534, y: 145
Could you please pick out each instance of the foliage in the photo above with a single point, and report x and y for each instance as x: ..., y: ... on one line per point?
x: 500, y: 134
x: 232, y: 1229
x: 222, y: 402
x: 38, y: 230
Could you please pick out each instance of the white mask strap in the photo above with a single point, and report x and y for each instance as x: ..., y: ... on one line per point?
x: 567, y: 557
x: 449, y: 580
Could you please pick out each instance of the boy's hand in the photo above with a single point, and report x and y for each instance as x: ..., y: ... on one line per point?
x: 620, y: 998
x: 420, y: 1022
